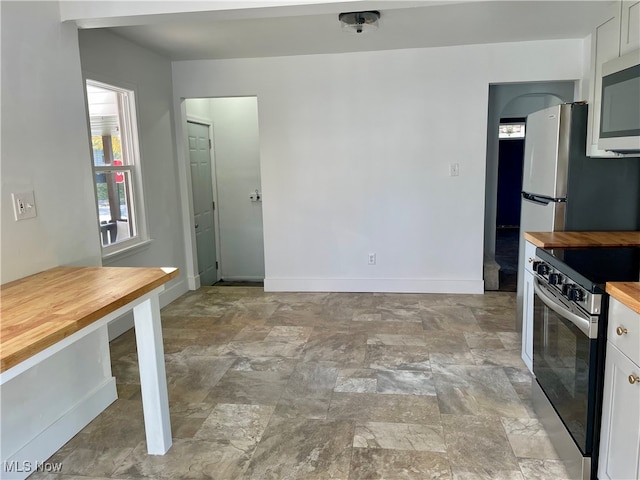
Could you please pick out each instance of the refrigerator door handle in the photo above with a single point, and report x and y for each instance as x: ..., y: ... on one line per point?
x: 541, y: 199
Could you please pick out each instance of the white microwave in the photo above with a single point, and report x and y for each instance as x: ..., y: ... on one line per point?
x: 620, y: 105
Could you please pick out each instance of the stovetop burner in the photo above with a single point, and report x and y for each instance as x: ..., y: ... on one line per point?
x: 594, y: 266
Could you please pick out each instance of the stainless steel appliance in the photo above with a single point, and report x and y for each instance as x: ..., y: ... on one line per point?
x: 563, y: 189
x: 569, y: 344
x: 620, y: 105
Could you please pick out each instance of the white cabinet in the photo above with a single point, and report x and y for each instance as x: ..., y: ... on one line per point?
x: 527, y: 306
x: 624, y: 330
x: 619, y: 457
x: 629, y: 27
x: 617, y: 34
x: 605, y: 46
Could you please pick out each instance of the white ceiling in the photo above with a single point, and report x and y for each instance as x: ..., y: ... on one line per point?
x: 315, y: 29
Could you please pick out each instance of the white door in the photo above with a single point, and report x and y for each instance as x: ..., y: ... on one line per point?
x: 202, y: 193
x: 237, y: 154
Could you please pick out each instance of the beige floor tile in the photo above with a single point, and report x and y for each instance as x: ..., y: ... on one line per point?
x: 326, y: 385
x: 374, y: 463
x: 367, y: 407
x: 303, y: 448
x: 528, y: 438
x: 399, y: 436
x: 478, y: 442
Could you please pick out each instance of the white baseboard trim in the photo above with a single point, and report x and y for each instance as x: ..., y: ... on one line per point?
x: 120, y: 325
x: 173, y: 293
x: 26, y: 460
x: 125, y: 322
x: 193, y: 282
x: 381, y: 285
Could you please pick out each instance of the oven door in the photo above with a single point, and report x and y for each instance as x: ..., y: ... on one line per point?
x: 564, y: 361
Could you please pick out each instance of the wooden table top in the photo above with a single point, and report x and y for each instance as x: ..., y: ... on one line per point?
x: 42, y: 309
x: 583, y: 239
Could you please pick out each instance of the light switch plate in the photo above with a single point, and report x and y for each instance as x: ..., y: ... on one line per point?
x: 24, y: 205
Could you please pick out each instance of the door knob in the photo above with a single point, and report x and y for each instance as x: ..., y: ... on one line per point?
x: 633, y: 379
x: 621, y: 331
x: 196, y: 225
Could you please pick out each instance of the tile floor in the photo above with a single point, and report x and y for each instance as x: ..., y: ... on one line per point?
x: 327, y: 385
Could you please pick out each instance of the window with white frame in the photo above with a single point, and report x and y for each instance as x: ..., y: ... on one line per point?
x: 511, y: 130
x: 116, y: 166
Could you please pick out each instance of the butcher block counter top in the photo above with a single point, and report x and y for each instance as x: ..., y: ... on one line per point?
x: 583, y: 239
x: 627, y: 293
x: 42, y: 309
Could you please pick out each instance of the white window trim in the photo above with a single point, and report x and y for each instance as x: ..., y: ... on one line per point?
x: 141, y: 239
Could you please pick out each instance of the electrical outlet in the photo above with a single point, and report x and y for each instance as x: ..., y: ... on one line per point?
x: 454, y: 170
x: 372, y: 259
x: 24, y: 205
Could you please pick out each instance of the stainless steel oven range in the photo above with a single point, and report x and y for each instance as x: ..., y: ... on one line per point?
x: 569, y: 340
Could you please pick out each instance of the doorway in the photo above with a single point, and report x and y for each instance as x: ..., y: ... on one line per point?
x: 510, y: 101
x: 236, y: 185
x: 511, y: 139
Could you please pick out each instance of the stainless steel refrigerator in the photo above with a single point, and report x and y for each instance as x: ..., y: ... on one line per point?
x: 564, y: 190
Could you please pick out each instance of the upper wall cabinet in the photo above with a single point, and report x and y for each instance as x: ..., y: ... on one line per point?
x: 629, y: 27
x: 617, y: 34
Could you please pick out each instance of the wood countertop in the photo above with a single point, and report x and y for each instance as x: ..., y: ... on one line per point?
x: 583, y: 239
x: 627, y: 293
x: 42, y: 309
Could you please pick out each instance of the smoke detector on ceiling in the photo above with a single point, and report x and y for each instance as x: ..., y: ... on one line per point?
x: 360, y: 22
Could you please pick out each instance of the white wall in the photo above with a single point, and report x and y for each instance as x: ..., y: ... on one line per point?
x: 112, y: 59
x: 355, y: 152
x: 44, y: 143
x: 237, y: 166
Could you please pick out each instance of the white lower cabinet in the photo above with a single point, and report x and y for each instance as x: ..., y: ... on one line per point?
x: 527, y: 306
x: 527, y: 320
x: 619, y: 457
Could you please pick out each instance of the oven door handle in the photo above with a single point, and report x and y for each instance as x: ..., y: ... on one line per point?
x: 581, y: 323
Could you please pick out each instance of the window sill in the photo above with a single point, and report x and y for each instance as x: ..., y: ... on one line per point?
x: 126, y: 251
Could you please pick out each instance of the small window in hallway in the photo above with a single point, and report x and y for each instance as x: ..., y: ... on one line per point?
x: 511, y: 130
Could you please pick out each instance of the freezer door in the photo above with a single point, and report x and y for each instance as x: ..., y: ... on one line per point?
x: 538, y: 216
x: 545, y: 168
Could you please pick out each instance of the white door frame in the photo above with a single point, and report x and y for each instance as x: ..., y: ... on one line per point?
x: 193, y: 278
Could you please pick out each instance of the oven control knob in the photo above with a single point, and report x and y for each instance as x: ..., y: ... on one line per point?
x: 565, y: 289
x: 576, y: 294
x: 555, y: 279
x: 542, y: 269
